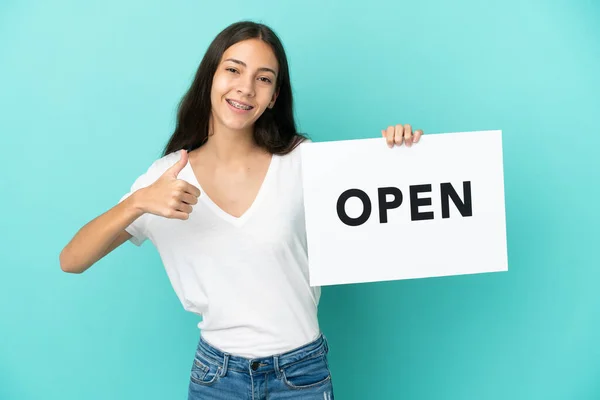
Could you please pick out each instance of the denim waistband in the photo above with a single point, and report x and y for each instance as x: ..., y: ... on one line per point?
x: 261, y: 365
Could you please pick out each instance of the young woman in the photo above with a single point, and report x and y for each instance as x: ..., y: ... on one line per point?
x: 239, y: 259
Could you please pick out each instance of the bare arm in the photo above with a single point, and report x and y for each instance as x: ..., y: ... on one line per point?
x: 167, y: 197
x: 100, y: 236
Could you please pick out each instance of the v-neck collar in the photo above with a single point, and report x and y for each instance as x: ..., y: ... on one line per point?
x: 237, y: 221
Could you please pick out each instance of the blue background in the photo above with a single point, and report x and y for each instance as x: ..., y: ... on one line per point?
x: 88, y: 94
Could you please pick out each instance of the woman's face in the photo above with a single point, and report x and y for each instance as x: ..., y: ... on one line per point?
x: 243, y: 85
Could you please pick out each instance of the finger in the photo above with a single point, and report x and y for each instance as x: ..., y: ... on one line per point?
x: 173, y: 214
x: 191, y: 189
x: 183, y: 207
x: 389, y: 136
x: 189, y: 199
x: 398, y: 135
x: 408, y: 136
x: 175, y: 169
x: 417, y: 135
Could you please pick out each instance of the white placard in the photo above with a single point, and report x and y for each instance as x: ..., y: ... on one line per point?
x: 456, y: 173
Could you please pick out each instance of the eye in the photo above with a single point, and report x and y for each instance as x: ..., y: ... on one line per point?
x: 231, y: 69
x: 265, y: 79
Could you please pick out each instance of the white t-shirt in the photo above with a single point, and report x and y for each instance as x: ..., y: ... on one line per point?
x: 247, y: 277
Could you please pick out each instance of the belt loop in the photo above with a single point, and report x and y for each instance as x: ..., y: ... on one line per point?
x: 325, y: 343
x: 276, y: 367
x: 225, y: 365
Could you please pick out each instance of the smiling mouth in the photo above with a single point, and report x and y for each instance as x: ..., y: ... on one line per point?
x: 239, y: 106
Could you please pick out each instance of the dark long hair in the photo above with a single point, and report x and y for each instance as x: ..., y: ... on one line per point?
x: 275, y: 129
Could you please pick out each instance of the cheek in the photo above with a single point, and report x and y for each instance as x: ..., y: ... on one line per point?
x: 220, y: 86
x: 265, y: 96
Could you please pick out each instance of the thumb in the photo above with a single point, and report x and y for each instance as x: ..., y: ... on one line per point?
x: 179, y: 165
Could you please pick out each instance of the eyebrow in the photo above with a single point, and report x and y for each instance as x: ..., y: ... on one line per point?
x: 244, y: 64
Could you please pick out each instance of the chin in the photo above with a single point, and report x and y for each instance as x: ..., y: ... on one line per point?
x: 237, y: 126
x: 235, y: 123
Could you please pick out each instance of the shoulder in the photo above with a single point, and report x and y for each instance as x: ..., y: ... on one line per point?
x: 295, y: 152
x: 159, y: 166
x: 292, y: 161
x: 155, y: 170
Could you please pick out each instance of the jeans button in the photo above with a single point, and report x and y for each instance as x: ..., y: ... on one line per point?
x: 254, y: 365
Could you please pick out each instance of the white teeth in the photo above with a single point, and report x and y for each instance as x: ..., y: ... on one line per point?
x: 238, y: 105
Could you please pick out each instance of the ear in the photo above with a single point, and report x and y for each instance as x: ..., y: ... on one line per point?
x: 273, y: 99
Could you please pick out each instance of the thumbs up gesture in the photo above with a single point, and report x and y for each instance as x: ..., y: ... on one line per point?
x: 168, y: 196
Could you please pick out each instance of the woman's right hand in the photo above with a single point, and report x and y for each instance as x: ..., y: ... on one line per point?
x: 168, y: 196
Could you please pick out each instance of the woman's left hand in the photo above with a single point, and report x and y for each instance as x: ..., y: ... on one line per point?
x: 396, y: 135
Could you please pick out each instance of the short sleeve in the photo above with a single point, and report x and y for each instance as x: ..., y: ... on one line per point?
x: 137, y: 229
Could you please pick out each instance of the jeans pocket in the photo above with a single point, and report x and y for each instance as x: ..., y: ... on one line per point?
x: 204, y: 371
x: 306, y: 373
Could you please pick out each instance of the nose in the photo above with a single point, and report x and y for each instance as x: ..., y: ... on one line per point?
x: 246, y: 86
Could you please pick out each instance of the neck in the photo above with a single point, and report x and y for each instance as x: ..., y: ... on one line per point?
x: 230, y: 146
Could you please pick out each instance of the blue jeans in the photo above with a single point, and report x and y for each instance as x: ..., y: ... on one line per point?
x: 302, y: 373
